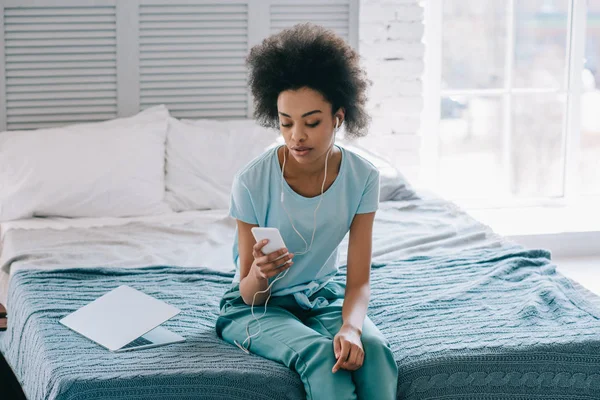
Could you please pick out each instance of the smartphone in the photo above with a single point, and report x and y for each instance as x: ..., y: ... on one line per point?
x: 272, y: 234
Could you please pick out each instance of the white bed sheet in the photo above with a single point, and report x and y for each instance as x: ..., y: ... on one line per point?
x: 175, y: 218
x: 215, y: 230
x: 422, y: 226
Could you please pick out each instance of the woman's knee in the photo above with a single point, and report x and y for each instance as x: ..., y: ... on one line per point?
x: 221, y: 325
x: 317, y: 361
x: 319, y: 353
x: 377, y: 349
x: 318, y: 357
x: 231, y: 326
x: 232, y: 321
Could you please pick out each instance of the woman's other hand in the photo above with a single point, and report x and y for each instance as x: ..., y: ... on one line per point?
x: 348, y: 349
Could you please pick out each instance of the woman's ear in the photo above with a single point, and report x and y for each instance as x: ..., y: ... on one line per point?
x: 340, y: 114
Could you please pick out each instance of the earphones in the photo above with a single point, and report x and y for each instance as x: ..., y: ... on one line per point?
x: 306, y: 250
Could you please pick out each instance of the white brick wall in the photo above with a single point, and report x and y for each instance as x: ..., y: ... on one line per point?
x: 392, y: 52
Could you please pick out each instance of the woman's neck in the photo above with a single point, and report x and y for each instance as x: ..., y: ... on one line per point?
x: 312, y: 170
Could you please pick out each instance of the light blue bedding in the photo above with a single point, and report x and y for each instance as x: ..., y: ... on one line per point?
x: 468, y: 315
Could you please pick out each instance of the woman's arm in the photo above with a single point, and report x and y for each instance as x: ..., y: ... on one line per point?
x: 356, y: 299
x: 249, y: 283
x: 347, y: 344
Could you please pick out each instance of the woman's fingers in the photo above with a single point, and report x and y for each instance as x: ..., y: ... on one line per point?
x: 272, y: 258
x: 344, y: 353
x: 349, y: 363
x: 362, y: 358
x: 265, y: 259
x: 351, y: 357
x: 336, y: 346
x: 276, y: 254
x: 277, y: 264
x: 257, y: 249
x: 278, y: 270
x: 353, y: 360
x: 268, y: 271
x: 273, y: 263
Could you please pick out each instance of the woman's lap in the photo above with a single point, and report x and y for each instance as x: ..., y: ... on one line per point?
x: 303, y: 341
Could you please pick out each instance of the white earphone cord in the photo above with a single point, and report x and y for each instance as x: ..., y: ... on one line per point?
x: 307, y: 249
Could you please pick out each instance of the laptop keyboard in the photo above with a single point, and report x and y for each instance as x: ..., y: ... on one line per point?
x: 141, y: 341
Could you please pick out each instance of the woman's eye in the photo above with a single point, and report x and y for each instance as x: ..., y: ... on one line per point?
x: 309, y: 125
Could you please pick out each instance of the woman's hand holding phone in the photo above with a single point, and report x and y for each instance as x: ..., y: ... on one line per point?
x: 269, y: 265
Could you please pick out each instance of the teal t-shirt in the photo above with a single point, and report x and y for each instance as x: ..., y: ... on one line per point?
x: 256, y: 199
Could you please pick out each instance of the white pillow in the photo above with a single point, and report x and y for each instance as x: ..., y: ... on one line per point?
x: 113, y: 168
x: 204, y: 155
x: 392, y: 184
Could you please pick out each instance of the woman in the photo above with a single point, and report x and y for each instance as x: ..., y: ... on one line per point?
x: 307, y: 81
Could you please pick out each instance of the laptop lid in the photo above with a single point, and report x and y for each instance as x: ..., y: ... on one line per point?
x: 119, y: 316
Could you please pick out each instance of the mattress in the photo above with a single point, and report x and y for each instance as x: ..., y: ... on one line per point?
x: 186, y: 238
x: 468, y: 314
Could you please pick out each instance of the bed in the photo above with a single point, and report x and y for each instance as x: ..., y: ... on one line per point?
x: 468, y: 313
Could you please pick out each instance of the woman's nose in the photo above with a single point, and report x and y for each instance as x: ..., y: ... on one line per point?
x: 297, y: 133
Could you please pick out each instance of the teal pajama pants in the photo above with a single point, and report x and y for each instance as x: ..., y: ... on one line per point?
x: 303, y: 341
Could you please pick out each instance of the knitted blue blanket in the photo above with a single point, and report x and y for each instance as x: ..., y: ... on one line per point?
x: 482, y: 324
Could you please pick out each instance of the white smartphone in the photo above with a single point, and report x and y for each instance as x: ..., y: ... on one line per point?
x: 272, y: 234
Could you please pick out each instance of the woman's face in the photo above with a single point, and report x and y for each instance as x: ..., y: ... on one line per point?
x: 306, y: 123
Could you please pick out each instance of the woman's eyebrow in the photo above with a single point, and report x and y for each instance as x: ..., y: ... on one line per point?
x: 303, y: 115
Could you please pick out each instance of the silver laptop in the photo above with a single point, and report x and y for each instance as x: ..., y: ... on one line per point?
x: 124, y: 319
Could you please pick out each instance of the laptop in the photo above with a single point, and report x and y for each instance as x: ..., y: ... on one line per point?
x: 124, y: 319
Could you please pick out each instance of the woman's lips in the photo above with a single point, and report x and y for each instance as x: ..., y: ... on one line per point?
x: 302, y: 152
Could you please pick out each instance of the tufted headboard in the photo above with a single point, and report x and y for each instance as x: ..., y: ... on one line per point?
x: 67, y: 61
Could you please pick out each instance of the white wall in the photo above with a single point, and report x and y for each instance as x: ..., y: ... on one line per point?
x: 389, y: 40
x: 390, y: 44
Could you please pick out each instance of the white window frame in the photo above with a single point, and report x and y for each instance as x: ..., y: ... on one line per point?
x: 575, y: 47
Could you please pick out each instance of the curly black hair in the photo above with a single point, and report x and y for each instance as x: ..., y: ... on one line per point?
x: 308, y: 55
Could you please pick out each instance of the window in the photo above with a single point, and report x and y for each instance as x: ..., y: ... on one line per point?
x: 589, y: 161
x: 513, y: 103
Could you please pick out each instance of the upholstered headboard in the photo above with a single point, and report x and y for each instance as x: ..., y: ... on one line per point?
x: 66, y: 61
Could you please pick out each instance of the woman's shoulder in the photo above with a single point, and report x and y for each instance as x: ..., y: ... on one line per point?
x: 256, y: 168
x: 359, y: 164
